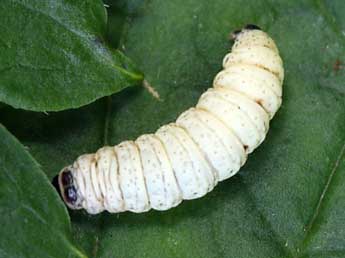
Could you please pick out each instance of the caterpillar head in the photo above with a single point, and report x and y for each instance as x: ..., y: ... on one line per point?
x: 64, y: 184
x: 247, y: 27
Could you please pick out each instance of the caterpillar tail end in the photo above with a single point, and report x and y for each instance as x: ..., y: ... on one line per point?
x: 64, y: 185
x: 252, y: 27
x: 247, y: 27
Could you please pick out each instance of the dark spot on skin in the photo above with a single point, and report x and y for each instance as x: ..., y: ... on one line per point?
x: 71, y: 194
x: 245, y: 147
x: 252, y: 27
x: 55, y: 183
x: 259, y: 102
x: 66, y: 178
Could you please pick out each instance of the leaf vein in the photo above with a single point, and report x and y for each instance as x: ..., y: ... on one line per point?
x: 317, y: 210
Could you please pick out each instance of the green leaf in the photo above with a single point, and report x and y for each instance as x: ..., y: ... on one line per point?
x: 53, y: 55
x: 287, y: 201
x: 34, y: 223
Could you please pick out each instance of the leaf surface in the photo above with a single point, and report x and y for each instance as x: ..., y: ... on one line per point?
x: 34, y: 222
x: 54, y: 55
x: 287, y: 201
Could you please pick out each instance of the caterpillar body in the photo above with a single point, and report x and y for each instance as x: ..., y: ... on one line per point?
x: 186, y: 159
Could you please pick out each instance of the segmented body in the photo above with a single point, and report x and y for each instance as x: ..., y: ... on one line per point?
x: 186, y: 159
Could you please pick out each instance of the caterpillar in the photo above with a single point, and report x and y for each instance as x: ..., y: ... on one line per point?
x: 186, y: 159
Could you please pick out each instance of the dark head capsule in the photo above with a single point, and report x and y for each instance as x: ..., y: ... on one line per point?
x: 71, y: 195
x: 65, y: 186
x: 66, y: 178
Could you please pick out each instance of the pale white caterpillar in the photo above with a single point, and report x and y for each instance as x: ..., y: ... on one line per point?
x: 186, y: 159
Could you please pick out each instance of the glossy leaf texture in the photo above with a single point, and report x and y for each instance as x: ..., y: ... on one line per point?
x: 33, y: 221
x: 287, y: 201
x: 54, y: 55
